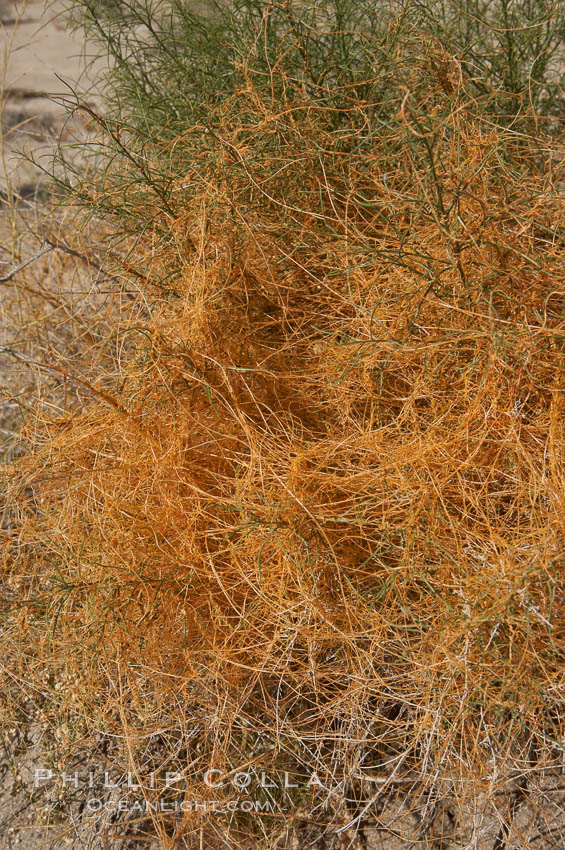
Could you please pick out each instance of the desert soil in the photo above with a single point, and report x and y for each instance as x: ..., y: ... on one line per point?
x: 42, y: 61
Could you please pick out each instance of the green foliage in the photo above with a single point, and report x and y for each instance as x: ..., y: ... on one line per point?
x: 176, y: 66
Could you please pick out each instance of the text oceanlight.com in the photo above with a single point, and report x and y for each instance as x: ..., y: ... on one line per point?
x: 241, y: 783
x: 95, y: 804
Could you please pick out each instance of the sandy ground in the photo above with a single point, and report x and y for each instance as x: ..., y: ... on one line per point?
x: 42, y: 61
x: 40, y: 58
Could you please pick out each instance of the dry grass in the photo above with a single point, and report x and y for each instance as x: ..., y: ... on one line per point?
x: 317, y: 522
